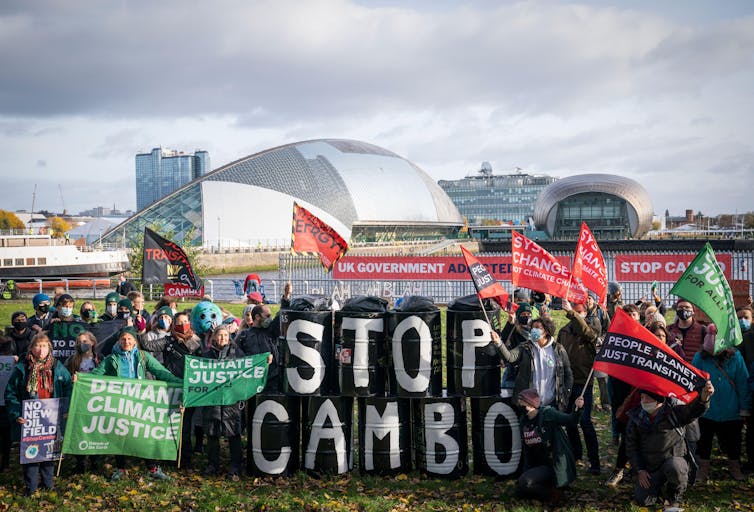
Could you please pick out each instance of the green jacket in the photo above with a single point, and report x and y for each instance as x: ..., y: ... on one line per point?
x: 549, y: 425
x: 580, y: 341
x: 15, y: 391
x: 147, y: 363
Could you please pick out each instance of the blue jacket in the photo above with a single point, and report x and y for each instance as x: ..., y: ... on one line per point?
x: 728, y: 400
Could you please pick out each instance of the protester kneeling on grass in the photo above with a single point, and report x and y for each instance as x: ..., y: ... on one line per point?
x: 38, y: 376
x: 656, y: 446
x: 549, y: 466
x: 128, y: 362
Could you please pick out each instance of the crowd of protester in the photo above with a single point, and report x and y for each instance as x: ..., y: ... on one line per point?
x: 660, y: 442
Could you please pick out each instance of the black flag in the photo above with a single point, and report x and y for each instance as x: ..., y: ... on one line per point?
x: 164, y: 261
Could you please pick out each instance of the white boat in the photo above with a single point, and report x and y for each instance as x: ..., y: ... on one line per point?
x: 38, y: 256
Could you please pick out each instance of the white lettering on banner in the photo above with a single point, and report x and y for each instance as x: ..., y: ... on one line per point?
x: 362, y: 327
x: 310, y: 355
x: 420, y: 383
x: 394, y: 268
x: 476, y: 333
x: 493, y: 461
x: 436, y: 433
x: 278, y: 465
x: 327, y: 411
x: 380, y: 426
x: 160, y: 395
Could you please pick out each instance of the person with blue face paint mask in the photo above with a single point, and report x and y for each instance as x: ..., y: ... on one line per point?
x: 542, y: 364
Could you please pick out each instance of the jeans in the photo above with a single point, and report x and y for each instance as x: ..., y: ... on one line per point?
x: 587, y: 427
x: 33, y: 473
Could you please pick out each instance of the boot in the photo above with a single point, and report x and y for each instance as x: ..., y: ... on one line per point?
x: 702, y: 474
x: 734, y: 466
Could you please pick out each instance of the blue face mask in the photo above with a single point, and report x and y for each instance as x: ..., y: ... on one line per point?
x: 535, y: 334
x: 745, y: 324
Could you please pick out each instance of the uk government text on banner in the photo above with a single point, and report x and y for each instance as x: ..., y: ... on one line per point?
x: 109, y: 415
x: 223, y: 381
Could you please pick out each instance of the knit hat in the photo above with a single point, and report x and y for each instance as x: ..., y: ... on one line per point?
x: 520, y: 295
x: 126, y: 303
x: 16, y: 315
x: 255, y: 297
x: 530, y: 397
x: 709, y: 339
x: 112, y: 297
x: 38, y: 299
x: 128, y: 330
x: 593, y: 296
x: 522, y: 308
x: 248, y: 308
x: 164, y: 310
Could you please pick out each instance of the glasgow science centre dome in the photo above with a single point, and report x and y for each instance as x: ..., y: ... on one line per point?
x: 365, y: 192
x: 613, y: 207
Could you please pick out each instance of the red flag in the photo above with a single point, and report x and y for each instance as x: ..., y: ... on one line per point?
x: 536, y: 269
x: 311, y: 235
x: 486, y: 285
x: 634, y: 355
x: 589, y: 264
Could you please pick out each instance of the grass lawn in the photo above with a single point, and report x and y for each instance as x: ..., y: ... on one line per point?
x: 191, y: 491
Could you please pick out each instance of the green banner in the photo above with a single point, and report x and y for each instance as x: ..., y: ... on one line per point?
x: 704, y: 285
x: 137, y: 417
x: 223, y: 381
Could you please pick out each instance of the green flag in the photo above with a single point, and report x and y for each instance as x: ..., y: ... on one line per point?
x: 110, y: 415
x: 223, y: 381
x: 704, y: 284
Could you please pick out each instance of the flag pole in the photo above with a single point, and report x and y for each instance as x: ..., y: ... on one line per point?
x: 180, y: 439
x: 588, y: 381
x: 484, y: 310
x: 60, y: 462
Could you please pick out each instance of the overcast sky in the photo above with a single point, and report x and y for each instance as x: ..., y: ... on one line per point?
x: 661, y: 92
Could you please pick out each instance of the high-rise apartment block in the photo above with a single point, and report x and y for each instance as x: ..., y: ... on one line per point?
x: 162, y: 171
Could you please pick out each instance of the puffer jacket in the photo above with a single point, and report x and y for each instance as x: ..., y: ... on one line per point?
x: 111, y: 366
x: 255, y: 340
x: 173, y: 351
x: 222, y: 420
x: 580, y: 341
x: 652, y: 441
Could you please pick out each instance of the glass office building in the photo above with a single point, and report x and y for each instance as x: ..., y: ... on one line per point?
x: 162, y: 171
x: 507, y: 198
x: 613, y: 207
x: 365, y: 192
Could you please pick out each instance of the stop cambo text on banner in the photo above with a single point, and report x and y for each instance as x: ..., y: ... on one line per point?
x: 165, y: 261
x: 536, y: 269
x: 109, y: 415
x: 223, y: 381
x: 704, y: 284
x: 310, y: 235
x: 486, y: 285
x: 634, y: 355
x: 589, y: 264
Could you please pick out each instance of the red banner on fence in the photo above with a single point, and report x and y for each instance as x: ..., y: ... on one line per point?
x: 181, y: 290
x: 661, y: 267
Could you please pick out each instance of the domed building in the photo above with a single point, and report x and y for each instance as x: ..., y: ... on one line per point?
x: 613, y: 207
x: 365, y: 192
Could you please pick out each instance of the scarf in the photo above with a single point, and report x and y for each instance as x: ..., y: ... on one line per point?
x: 184, y: 337
x: 40, y: 374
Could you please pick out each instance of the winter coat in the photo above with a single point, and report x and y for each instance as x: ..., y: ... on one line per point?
x: 652, y: 441
x: 8, y: 348
x: 747, y: 347
x: 728, y: 399
x: 22, y: 340
x: 255, y: 340
x: 15, y: 391
x: 523, y: 357
x: 173, y: 350
x: 580, y: 341
x: 147, y: 363
x: 512, y: 338
x: 692, y: 339
x: 549, y: 425
x: 222, y: 420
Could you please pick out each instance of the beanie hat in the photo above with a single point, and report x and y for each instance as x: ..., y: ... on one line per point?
x: 520, y: 295
x: 256, y: 297
x: 709, y: 339
x: 16, y: 315
x: 112, y: 297
x: 530, y: 397
x: 38, y: 299
x: 128, y: 330
x: 126, y: 303
x: 593, y: 296
x: 164, y: 310
x: 522, y: 308
x: 248, y: 308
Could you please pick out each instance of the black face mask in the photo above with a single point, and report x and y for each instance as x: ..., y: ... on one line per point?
x: 19, y: 326
x: 685, y: 314
x: 124, y: 314
x: 44, y: 308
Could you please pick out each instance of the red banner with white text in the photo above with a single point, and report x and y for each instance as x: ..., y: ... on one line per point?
x: 662, y: 267
x: 589, y: 264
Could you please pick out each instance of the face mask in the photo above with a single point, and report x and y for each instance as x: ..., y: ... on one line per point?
x: 685, y: 314
x: 84, y: 348
x: 19, y: 326
x: 89, y: 314
x: 266, y: 322
x: 112, y: 310
x: 124, y: 314
x: 650, y: 407
x: 745, y: 324
x: 163, y: 324
x: 524, y: 320
x: 182, y: 329
x: 66, y: 312
x: 44, y: 308
x: 536, y: 334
